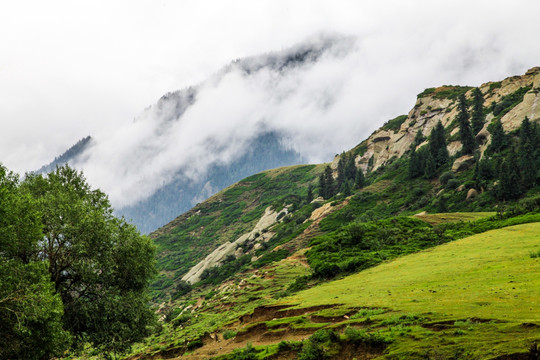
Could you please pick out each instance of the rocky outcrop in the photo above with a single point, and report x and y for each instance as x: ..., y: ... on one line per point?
x: 217, y: 256
x: 432, y: 106
x: 463, y: 163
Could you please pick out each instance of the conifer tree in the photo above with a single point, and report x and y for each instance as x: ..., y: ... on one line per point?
x: 309, y: 197
x: 430, y: 169
x: 330, y: 188
x: 499, y: 139
x: 477, y: 116
x: 465, y: 132
x: 341, y: 171
x: 526, y: 151
x: 509, y: 180
x: 360, y: 180
x: 350, y: 168
x: 322, y: 186
x: 437, y: 146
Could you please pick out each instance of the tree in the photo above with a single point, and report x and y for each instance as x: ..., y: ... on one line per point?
x: 322, y: 186
x: 100, y: 265
x: 329, y: 182
x: 350, y: 168
x: 477, y: 116
x: 430, y: 169
x: 341, y: 171
x: 309, y: 197
x: 437, y: 146
x: 360, y: 180
x: 526, y: 155
x: 30, y: 310
x: 508, y: 188
x: 465, y: 132
x: 499, y: 139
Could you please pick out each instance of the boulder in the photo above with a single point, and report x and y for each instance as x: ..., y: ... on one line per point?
x: 460, y: 188
x: 463, y: 163
x: 471, y: 194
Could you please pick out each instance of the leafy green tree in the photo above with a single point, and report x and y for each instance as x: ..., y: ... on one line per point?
x: 30, y: 310
x: 477, y: 116
x: 100, y: 265
x: 465, y: 132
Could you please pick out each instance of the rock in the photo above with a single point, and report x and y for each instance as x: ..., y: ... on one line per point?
x: 420, y: 214
x: 482, y: 136
x: 319, y: 199
x: 257, y: 246
x: 440, y: 192
x: 460, y: 188
x: 463, y: 163
x: 471, y: 194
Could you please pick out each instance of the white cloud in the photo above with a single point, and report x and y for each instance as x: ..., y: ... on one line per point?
x: 70, y: 69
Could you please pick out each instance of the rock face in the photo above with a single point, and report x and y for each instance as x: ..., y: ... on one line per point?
x: 433, y: 106
x: 231, y: 248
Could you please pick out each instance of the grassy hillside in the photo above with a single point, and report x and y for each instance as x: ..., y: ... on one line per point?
x: 476, y: 296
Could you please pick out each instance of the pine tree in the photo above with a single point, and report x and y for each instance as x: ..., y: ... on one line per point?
x: 322, y: 186
x: 360, y: 180
x: 465, y: 132
x: 509, y: 188
x: 418, y: 139
x: 430, y: 169
x: 499, y: 139
x: 329, y: 183
x: 350, y: 168
x: 526, y: 160
x: 437, y: 146
x: 341, y: 171
x: 477, y: 116
x: 309, y: 197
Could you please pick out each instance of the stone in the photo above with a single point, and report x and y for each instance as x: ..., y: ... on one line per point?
x: 463, y: 163
x: 471, y: 194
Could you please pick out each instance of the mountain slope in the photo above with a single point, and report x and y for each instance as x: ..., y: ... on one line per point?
x: 244, y: 298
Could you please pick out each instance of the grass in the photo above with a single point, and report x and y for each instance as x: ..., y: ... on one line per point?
x: 443, y: 218
x: 488, y: 276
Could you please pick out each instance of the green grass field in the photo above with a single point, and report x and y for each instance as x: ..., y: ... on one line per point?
x: 484, y: 289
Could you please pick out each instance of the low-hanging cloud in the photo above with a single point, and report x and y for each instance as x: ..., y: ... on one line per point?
x: 380, y: 54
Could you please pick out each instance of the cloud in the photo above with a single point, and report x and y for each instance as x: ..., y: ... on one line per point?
x: 70, y: 69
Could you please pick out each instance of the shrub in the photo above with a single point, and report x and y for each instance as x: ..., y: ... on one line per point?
x: 195, y: 344
x: 229, y: 334
x: 311, y: 351
x: 445, y: 177
x: 452, y: 184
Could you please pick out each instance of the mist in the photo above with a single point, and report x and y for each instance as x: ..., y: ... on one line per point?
x: 68, y: 71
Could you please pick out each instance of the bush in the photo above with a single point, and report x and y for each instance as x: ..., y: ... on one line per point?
x: 452, y: 184
x: 362, y: 337
x: 445, y: 177
x: 311, y: 351
x: 229, y: 334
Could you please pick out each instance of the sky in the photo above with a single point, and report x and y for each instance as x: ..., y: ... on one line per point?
x: 72, y: 68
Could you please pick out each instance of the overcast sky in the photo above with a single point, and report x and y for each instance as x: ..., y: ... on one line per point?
x: 74, y: 68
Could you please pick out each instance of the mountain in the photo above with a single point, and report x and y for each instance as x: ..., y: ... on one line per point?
x: 414, y: 249
x: 198, y: 140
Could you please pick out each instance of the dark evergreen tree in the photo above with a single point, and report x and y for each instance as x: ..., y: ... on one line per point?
x: 309, y: 197
x: 499, y: 140
x: 350, y: 168
x: 430, y: 169
x: 345, y: 189
x: 509, y: 180
x: 340, y: 171
x: 322, y: 186
x: 477, y: 116
x: 360, y: 180
x: 437, y: 146
x: 330, y: 187
x: 465, y: 132
x: 526, y: 155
